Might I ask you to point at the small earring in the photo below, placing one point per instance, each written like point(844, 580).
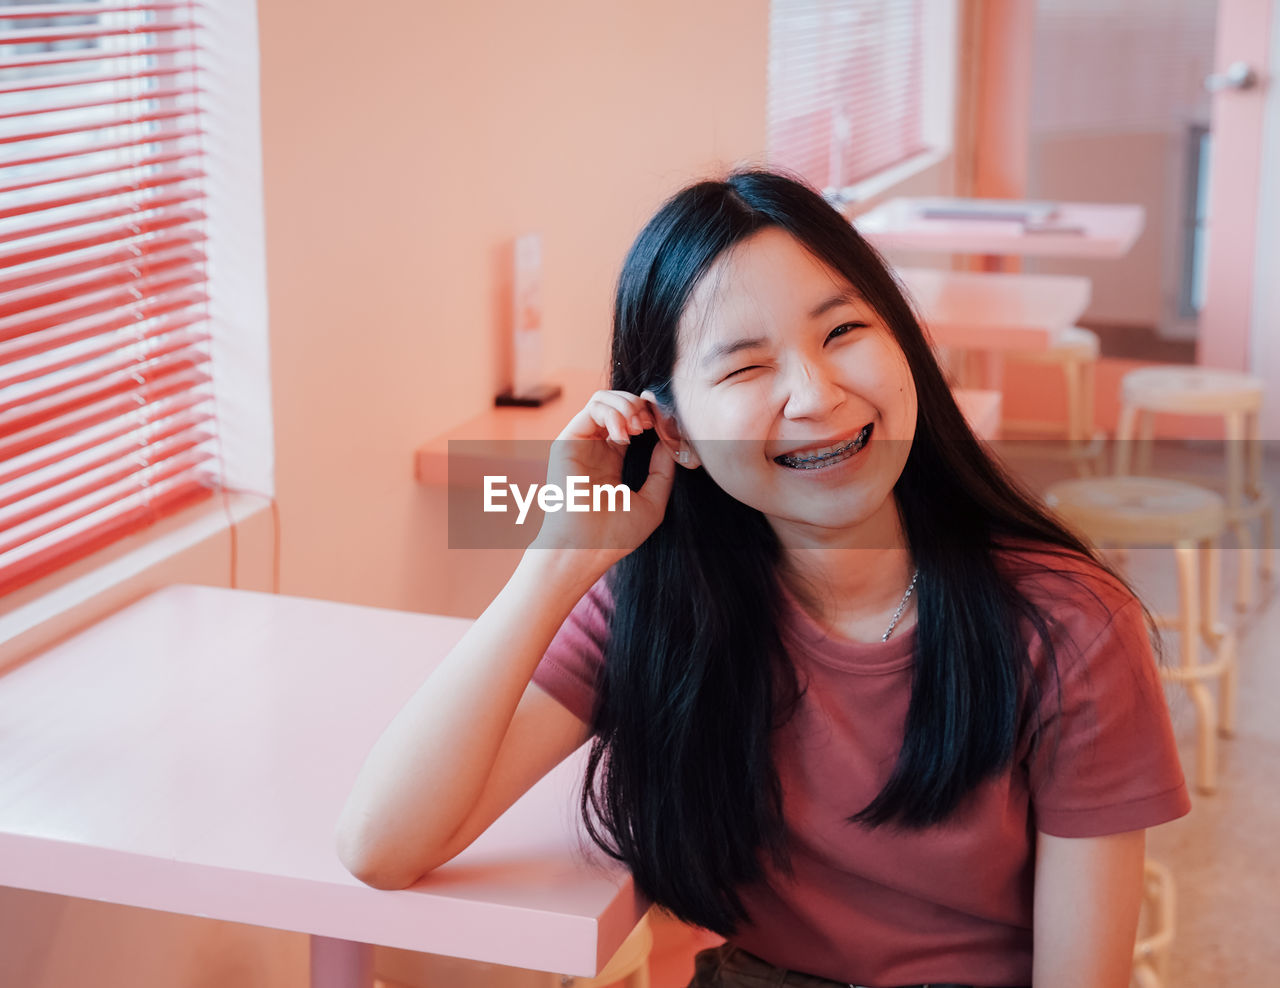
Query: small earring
point(682, 456)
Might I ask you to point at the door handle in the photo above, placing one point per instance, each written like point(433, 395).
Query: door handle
point(1239, 75)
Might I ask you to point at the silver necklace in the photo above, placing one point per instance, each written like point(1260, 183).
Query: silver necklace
point(901, 607)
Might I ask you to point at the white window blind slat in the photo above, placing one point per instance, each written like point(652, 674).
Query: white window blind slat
point(183, 411)
point(58, 472)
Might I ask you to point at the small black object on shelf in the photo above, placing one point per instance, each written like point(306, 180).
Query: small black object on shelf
point(534, 398)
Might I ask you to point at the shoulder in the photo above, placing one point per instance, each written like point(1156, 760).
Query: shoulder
point(1076, 595)
point(1084, 629)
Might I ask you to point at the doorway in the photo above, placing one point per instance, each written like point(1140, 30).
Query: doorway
point(1119, 113)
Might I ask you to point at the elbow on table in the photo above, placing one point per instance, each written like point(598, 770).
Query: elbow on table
point(378, 868)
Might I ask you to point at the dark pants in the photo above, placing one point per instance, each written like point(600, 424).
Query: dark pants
point(731, 967)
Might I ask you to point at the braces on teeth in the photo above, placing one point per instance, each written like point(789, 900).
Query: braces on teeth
point(819, 459)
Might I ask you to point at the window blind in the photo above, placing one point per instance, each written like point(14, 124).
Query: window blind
point(106, 417)
point(845, 87)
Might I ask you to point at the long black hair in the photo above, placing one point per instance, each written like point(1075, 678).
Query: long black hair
point(681, 784)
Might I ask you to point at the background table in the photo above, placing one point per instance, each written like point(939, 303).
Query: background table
point(1077, 229)
point(192, 752)
point(994, 313)
point(993, 310)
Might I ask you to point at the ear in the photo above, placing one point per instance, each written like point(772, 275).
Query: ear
point(669, 433)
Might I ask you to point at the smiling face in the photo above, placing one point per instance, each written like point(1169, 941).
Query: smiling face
point(793, 394)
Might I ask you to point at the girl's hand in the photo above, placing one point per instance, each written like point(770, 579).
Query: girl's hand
point(593, 445)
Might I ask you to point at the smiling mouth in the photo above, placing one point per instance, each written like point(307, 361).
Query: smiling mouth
point(819, 458)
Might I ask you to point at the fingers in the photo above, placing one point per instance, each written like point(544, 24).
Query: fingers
point(662, 474)
point(616, 415)
point(632, 410)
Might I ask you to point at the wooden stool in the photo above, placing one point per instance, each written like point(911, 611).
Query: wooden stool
point(1206, 391)
point(1146, 511)
point(629, 966)
point(1155, 928)
point(1076, 352)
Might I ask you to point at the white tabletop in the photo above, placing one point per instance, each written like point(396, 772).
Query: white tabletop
point(1075, 229)
point(192, 752)
point(989, 310)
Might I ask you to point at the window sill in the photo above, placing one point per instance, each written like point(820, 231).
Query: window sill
point(854, 199)
point(192, 546)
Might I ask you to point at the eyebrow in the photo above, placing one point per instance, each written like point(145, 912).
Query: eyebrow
point(840, 298)
point(722, 350)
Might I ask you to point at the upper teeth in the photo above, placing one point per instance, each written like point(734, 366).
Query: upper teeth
point(827, 452)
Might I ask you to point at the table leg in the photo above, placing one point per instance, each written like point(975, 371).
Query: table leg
point(991, 374)
point(341, 963)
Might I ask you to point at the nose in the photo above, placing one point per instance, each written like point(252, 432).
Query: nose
point(811, 392)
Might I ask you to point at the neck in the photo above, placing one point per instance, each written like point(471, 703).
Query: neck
point(850, 582)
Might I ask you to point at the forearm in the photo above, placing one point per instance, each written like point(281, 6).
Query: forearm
point(429, 767)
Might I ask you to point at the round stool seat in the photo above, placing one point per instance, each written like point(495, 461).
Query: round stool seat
point(1139, 510)
point(1197, 390)
point(1072, 343)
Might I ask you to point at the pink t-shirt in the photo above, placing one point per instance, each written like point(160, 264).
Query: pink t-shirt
point(952, 903)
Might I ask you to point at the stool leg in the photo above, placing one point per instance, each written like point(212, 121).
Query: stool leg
point(1235, 501)
point(1220, 639)
point(1146, 440)
point(1088, 418)
point(1124, 439)
point(1210, 586)
point(1189, 591)
point(1268, 568)
point(1075, 408)
point(1075, 416)
point(1253, 467)
point(1253, 488)
point(1244, 580)
point(1228, 687)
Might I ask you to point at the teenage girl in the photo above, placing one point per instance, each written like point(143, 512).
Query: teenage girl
point(856, 701)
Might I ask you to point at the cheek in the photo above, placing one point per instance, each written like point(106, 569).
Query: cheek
point(731, 413)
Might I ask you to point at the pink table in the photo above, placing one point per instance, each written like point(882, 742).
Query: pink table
point(1076, 229)
point(191, 754)
point(994, 312)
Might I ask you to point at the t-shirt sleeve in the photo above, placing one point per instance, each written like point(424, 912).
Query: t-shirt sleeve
point(570, 668)
point(1107, 761)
